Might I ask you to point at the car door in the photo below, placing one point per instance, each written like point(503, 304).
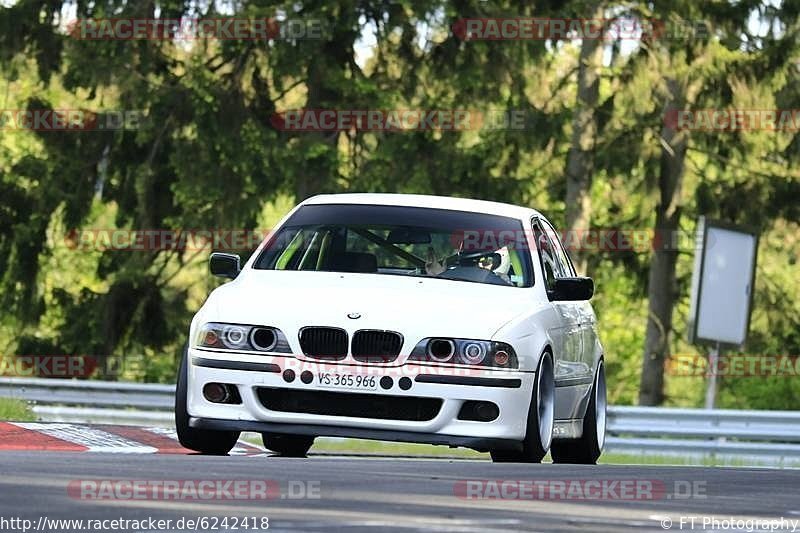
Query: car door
point(581, 317)
point(565, 336)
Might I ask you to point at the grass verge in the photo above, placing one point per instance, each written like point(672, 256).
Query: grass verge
point(325, 445)
point(16, 410)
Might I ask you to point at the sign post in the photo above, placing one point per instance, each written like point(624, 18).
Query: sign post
point(713, 365)
point(722, 291)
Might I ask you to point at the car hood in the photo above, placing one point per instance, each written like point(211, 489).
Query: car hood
point(415, 307)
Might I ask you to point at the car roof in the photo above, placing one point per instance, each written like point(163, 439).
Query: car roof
point(429, 201)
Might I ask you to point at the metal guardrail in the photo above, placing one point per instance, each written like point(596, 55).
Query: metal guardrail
point(766, 436)
point(89, 393)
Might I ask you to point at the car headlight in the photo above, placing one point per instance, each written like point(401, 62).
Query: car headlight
point(466, 352)
point(234, 337)
point(240, 337)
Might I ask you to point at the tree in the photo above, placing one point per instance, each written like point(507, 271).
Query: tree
point(580, 159)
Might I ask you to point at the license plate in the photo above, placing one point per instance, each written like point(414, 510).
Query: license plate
point(347, 381)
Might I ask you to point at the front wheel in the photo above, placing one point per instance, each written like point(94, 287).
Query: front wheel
point(205, 441)
point(287, 445)
point(539, 428)
point(587, 449)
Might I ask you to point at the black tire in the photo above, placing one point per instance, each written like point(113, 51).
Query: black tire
point(587, 449)
point(205, 441)
point(537, 439)
point(287, 445)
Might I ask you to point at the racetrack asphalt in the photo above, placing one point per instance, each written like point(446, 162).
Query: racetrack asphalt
point(375, 494)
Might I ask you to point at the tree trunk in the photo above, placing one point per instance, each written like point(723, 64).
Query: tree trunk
point(661, 289)
point(580, 159)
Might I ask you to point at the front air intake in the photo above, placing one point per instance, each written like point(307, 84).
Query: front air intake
point(350, 404)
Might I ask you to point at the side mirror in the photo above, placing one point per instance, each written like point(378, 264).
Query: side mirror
point(224, 265)
point(572, 289)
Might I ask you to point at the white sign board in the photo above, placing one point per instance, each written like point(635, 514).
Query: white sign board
point(722, 284)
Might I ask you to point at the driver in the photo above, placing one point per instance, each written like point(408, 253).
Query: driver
point(500, 268)
point(497, 262)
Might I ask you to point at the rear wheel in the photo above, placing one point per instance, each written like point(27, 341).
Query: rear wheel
point(287, 445)
point(539, 428)
point(587, 449)
point(205, 441)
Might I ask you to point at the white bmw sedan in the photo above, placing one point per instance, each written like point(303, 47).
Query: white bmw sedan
point(403, 318)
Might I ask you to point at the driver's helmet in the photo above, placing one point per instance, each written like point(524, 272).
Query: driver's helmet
point(505, 261)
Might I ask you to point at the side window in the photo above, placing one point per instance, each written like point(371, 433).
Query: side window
point(561, 255)
point(551, 267)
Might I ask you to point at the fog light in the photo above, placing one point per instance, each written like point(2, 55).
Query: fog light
point(215, 392)
point(478, 411)
point(487, 411)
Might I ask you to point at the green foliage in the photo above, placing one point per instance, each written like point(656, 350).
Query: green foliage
point(15, 410)
point(206, 155)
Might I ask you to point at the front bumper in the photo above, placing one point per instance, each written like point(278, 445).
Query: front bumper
point(509, 390)
point(477, 443)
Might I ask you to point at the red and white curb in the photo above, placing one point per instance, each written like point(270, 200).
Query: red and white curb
point(27, 436)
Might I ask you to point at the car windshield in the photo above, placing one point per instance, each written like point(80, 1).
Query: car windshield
point(404, 241)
